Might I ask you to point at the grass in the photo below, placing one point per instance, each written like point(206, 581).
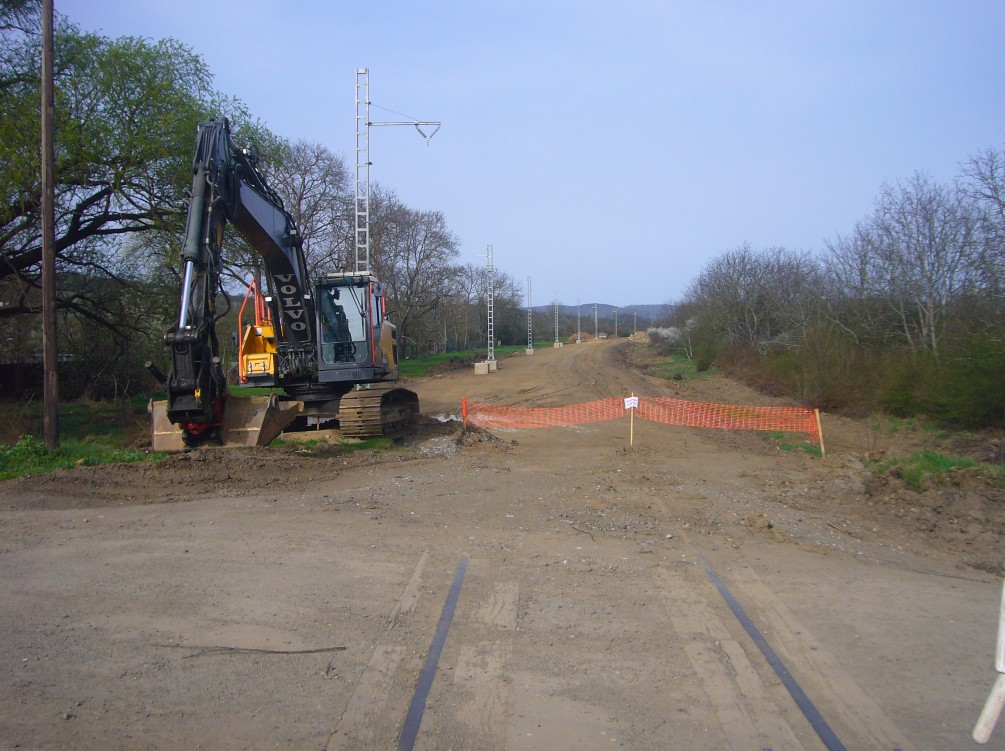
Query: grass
point(914, 425)
point(98, 433)
point(98, 419)
point(415, 367)
point(30, 456)
point(923, 466)
point(679, 367)
point(419, 367)
point(110, 421)
point(90, 433)
point(788, 442)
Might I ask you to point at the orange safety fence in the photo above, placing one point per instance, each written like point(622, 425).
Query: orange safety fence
point(494, 416)
point(656, 409)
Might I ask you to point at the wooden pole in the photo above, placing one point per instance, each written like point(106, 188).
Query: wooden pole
point(820, 435)
point(50, 406)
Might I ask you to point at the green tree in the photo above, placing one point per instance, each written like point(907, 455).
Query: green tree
point(125, 113)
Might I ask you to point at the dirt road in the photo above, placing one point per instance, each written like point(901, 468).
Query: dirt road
point(275, 599)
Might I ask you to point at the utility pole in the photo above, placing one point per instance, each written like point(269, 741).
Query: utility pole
point(363, 124)
point(50, 406)
point(579, 323)
point(615, 323)
point(596, 326)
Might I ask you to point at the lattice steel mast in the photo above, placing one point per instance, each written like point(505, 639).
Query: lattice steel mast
point(490, 278)
point(556, 318)
point(363, 123)
point(530, 319)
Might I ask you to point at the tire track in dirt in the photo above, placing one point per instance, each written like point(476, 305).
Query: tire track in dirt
point(745, 706)
point(365, 717)
point(376, 709)
point(482, 668)
point(740, 698)
point(862, 723)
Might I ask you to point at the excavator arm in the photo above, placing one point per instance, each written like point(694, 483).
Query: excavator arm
point(227, 187)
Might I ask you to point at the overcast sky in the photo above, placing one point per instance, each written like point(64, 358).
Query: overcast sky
point(610, 149)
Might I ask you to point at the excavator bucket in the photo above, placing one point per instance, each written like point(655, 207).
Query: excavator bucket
point(247, 421)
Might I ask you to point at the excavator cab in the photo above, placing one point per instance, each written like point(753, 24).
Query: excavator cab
point(357, 343)
point(341, 341)
point(355, 340)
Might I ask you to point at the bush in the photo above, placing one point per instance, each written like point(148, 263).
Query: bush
point(704, 355)
point(664, 340)
point(28, 448)
point(30, 456)
point(969, 390)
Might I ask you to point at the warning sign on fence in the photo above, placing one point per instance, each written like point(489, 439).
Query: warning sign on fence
point(631, 402)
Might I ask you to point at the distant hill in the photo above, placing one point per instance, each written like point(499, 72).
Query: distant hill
point(627, 314)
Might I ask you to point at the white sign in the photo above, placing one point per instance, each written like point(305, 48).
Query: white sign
point(631, 402)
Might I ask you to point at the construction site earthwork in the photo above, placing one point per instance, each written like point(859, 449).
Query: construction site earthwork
point(612, 580)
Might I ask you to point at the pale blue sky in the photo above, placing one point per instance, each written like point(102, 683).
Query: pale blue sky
point(610, 149)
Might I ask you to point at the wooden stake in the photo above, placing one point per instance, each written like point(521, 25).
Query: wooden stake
point(631, 429)
point(820, 434)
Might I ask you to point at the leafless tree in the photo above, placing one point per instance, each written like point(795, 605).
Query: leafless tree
point(460, 310)
point(859, 287)
point(412, 253)
point(925, 234)
point(314, 184)
point(984, 183)
point(756, 299)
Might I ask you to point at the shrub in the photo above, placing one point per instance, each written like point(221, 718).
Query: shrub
point(968, 389)
point(664, 340)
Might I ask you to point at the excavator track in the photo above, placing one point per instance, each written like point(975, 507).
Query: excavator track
point(378, 410)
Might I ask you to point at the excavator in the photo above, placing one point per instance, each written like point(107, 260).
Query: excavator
point(326, 343)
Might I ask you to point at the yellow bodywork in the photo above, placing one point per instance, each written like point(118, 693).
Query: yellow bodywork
point(257, 358)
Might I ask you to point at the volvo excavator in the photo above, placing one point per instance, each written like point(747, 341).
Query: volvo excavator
point(326, 343)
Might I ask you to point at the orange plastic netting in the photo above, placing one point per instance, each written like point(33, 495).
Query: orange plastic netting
point(656, 409)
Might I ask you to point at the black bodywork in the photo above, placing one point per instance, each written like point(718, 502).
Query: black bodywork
point(228, 187)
